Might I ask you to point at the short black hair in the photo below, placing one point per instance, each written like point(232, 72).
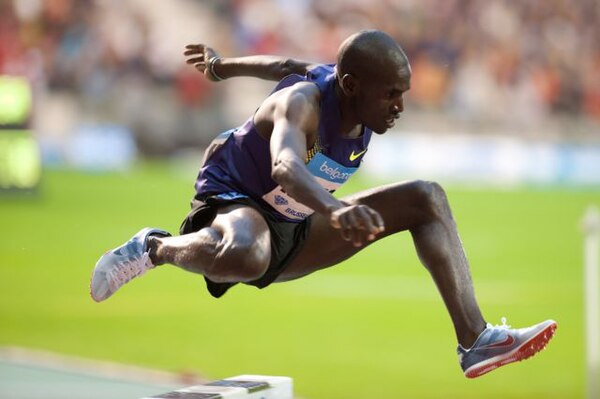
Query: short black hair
point(368, 50)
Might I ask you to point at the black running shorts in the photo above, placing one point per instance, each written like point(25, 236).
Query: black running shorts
point(287, 238)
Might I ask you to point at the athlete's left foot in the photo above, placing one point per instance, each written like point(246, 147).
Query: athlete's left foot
point(497, 346)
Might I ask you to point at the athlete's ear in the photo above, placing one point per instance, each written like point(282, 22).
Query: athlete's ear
point(349, 84)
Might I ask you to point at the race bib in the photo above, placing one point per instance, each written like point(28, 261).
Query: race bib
point(329, 174)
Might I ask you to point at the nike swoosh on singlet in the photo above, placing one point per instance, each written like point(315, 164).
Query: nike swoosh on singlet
point(353, 156)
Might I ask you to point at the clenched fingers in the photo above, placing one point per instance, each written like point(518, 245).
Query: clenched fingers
point(357, 223)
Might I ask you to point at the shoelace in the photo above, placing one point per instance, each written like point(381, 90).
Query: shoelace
point(503, 326)
point(126, 270)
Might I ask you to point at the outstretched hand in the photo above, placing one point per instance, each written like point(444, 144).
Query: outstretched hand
point(199, 55)
point(357, 223)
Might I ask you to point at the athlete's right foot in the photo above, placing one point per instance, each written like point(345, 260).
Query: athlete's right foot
point(500, 345)
point(120, 265)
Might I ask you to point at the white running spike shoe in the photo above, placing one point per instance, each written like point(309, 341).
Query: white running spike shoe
point(122, 264)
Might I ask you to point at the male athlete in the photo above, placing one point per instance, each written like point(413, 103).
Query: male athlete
point(264, 210)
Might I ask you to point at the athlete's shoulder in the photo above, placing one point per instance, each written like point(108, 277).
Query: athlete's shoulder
point(317, 71)
point(301, 99)
point(298, 88)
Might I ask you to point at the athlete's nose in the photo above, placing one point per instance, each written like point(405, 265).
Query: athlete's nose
point(398, 106)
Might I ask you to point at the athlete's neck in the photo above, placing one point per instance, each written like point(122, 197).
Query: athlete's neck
point(350, 127)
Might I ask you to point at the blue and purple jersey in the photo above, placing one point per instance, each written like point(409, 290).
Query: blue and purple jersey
point(241, 166)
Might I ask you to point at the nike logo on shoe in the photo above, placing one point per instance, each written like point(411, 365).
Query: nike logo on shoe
point(507, 342)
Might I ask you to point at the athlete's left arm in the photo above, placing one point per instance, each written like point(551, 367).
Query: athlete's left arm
point(267, 67)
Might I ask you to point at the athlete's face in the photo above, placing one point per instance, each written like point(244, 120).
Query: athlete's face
point(379, 101)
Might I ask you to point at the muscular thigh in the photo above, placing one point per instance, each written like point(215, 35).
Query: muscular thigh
point(400, 205)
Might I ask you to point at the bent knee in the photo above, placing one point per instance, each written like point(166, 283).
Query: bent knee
point(243, 258)
point(432, 196)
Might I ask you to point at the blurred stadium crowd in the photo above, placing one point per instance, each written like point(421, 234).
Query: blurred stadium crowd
point(519, 67)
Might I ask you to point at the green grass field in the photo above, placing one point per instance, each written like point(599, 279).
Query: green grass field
point(373, 327)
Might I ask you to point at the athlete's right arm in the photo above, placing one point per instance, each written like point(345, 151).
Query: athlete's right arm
point(267, 67)
point(295, 113)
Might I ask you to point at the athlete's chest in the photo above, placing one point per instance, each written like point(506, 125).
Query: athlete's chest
point(329, 173)
point(347, 152)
